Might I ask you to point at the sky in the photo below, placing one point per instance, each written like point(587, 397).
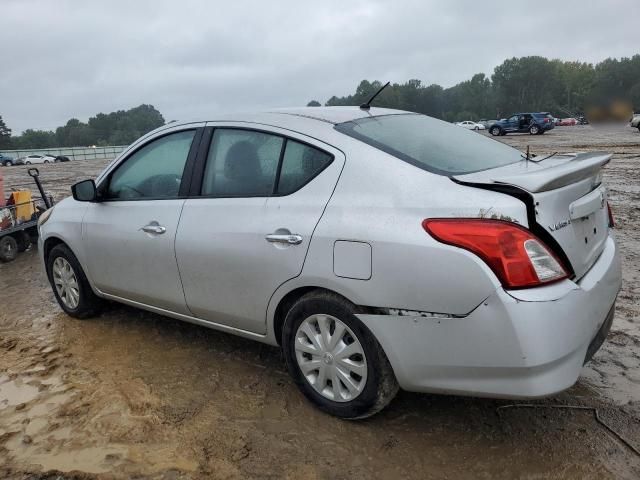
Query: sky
point(193, 59)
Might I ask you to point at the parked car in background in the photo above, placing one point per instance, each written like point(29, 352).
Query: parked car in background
point(487, 123)
point(357, 240)
point(535, 123)
point(6, 161)
point(635, 121)
point(33, 159)
point(567, 122)
point(55, 158)
point(469, 125)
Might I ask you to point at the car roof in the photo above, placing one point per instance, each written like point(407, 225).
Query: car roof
point(306, 120)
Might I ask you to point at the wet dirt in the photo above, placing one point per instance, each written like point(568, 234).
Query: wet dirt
point(131, 394)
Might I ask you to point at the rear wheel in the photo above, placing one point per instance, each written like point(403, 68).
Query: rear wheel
point(534, 130)
point(334, 359)
point(495, 131)
point(27, 162)
point(8, 163)
point(8, 249)
point(70, 285)
point(23, 240)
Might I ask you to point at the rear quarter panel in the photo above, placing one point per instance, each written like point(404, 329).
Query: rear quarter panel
point(382, 201)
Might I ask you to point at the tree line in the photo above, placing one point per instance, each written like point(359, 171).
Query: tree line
point(116, 128)
point(517, 85)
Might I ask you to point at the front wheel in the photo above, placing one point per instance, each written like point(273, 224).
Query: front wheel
point(27, 162)
point(495, 131)
point(8, 163)
point(70, 285)
point(46, 161)
point(534, 130)
point(334, 359)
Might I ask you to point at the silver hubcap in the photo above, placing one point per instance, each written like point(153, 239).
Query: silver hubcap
point(66, 283)
point(331, 358)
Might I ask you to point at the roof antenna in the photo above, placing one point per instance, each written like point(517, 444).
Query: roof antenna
point(367, 105)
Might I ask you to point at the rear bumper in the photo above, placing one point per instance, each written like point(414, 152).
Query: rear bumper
point(524, 344)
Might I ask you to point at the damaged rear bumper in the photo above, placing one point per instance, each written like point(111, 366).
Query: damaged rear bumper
point(522, 344)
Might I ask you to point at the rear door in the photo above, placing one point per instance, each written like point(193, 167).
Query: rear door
point(261, 195)
point(129, 235)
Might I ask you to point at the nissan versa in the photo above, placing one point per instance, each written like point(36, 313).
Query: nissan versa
point(380, 249)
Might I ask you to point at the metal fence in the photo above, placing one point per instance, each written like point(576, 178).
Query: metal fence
point(74, 153)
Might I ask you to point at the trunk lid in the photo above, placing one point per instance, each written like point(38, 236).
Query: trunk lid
point(566, 200)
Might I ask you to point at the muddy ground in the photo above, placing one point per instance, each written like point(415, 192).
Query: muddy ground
point(136, 395)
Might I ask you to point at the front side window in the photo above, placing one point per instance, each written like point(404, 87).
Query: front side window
point(430, 144)
point(241, 163)
point(300, 164)
point(154, 171)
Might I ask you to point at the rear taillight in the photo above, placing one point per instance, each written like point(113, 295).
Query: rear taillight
point(612, 223)
point(517, 257)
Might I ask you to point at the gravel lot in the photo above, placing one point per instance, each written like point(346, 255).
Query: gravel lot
point(136, 395)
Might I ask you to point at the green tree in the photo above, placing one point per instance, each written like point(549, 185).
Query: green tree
point(5, 135)
point(314, 103)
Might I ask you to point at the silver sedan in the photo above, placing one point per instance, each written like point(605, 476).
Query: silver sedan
point(380, 249)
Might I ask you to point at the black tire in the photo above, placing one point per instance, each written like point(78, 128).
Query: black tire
point(495, 131)
point(534, 130)
point(89, 303)
point(27, 162)
point(8, 249)
point(23, 240)
point(476, 128)
point(8, 163)
point(46, 161)
point(381, 385)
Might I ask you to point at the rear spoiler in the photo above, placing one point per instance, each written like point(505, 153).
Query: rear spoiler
point(541, 177)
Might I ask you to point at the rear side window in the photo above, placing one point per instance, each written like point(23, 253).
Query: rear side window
point(300, 164)
point(241, 163)
point(431, 144)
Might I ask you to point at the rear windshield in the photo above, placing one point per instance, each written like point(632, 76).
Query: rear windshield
point(431, 144)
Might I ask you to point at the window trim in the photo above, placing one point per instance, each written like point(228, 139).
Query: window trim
point(187, 172)
point(203, 156)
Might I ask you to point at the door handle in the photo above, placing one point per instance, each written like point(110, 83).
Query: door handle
point(153, 227)
point(289, 238)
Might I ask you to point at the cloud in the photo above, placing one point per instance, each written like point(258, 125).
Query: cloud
point(194, 59)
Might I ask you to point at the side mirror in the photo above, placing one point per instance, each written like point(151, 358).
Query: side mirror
point(85, 191)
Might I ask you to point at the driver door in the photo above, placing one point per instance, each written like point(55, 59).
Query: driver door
point(513, 124)
point(129, 234)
